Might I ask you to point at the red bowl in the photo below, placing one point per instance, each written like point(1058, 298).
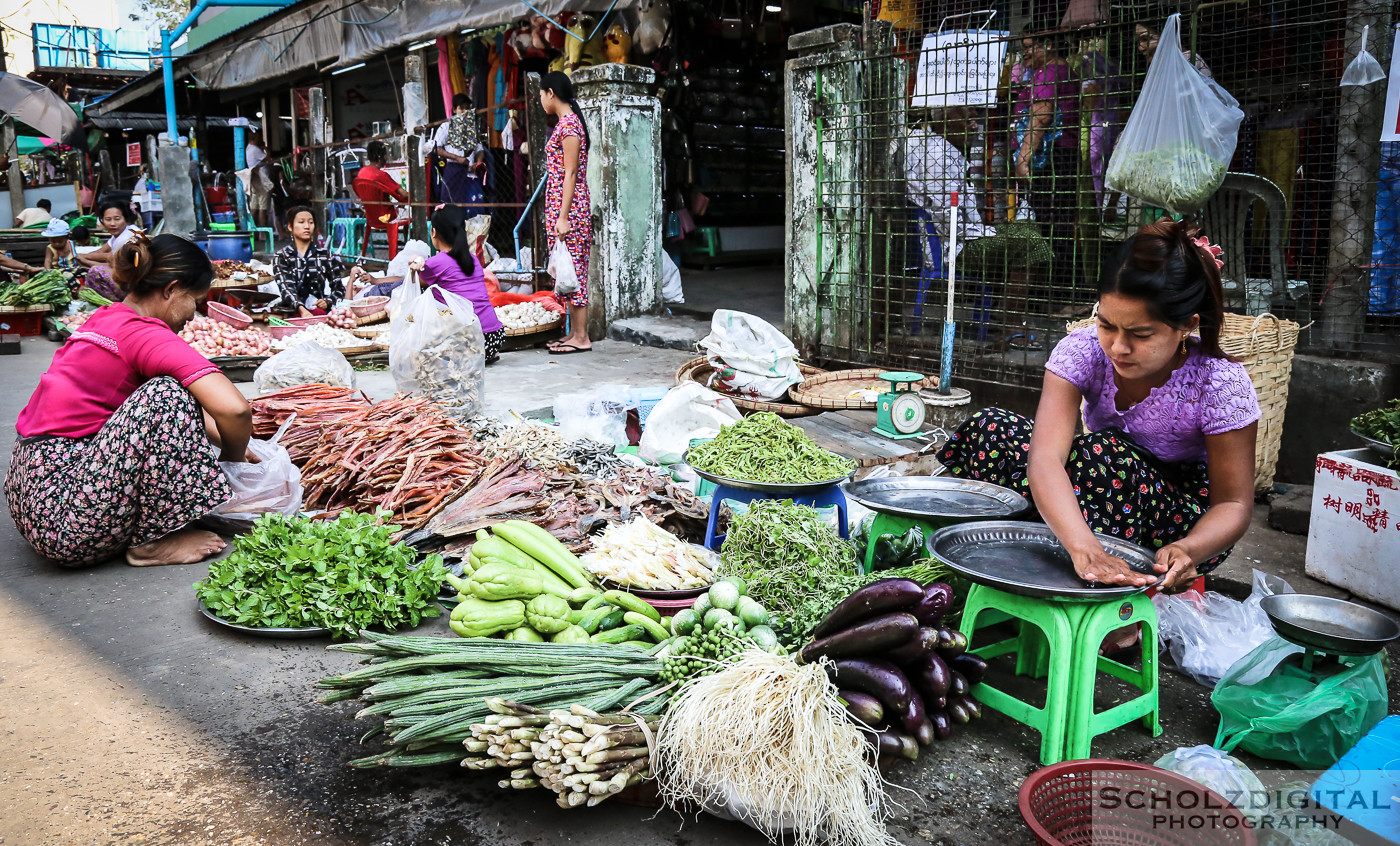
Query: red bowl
point(368, 306)
point(229, 315)
point(303, 322)
point(280, 332)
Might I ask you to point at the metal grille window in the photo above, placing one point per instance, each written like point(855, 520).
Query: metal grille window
point(1017, 110)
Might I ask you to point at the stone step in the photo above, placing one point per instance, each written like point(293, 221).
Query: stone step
point(672, 332)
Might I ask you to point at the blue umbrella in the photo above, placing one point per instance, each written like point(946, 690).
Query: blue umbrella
point(32, 103)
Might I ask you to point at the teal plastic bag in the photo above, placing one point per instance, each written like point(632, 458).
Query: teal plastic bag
point(1287, 718)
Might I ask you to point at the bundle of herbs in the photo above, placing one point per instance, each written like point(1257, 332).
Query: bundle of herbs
point(764, 448)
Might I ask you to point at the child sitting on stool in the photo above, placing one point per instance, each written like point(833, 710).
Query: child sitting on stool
point(308, 276)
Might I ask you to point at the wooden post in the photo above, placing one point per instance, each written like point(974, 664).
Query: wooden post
point(536, 135)
point(316, 121)
point(106, 172)
point(15, 177)
point(417, 181)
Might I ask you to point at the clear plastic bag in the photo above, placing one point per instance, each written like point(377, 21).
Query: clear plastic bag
point(597, 415)
point(561, 267)
point(1180, 136)
point(687, 412)
point(1364, 69)
point(271, 486)
point(304, 364)
point(1205, 635)
point(437, 349)
point(1222, 773)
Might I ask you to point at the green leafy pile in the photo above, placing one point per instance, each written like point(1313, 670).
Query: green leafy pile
point(1383, 424)
point(1179, 177)
point(764, 448)
point(344, 575)
point(45, 287)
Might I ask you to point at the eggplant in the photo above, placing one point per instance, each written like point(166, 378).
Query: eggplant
point(932, 679)
point(916, 650)
point(880, 679)
point(957, 684)
point(863, 706)
point(938, 597)
point(957, 712)
point(882, 597)
point(912, 717)
point(945, 638)
point(909, 746)
point(925, 734)
point(872, 637)
point(972, 667)
point(938, 704)
point(942, 725)
point(888, 745)
point(972, 706)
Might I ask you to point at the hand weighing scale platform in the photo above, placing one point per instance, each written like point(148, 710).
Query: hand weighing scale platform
point(930, 503)
point(1329, 630)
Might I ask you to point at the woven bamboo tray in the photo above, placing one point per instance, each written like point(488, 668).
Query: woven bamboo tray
point(1264, 345)
point(371, 334)
point(699, 370)
point(25, 309)
point(377, 317)
point(250, 282)
point(536, 330)
point(834, 390)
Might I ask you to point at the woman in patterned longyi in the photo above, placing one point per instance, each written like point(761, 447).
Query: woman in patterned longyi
point(568, 207)
point(1168, 462)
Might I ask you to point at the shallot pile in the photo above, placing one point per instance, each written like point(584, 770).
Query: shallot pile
point(211, 338)
point(341, 318)
point(322, 334)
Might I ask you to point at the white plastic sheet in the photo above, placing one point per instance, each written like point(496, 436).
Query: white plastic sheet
point(1206, 634)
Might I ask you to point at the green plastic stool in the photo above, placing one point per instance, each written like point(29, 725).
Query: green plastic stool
point(1059, 641)
point(222, 227)
point(709, 241)
point(265, 233)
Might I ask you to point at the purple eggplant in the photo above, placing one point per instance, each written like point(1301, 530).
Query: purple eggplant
point(888, 745)
point(909, 746)
point(872, 637)
point(880, 679)
point(863, 707)
point(935, 603)
point(971, 706)
point(932, 679)
point(972, 667)
point(882, 597)
point(942, 725)
point(916, 650)
point(957, 684)
point(957, 711)
point(912, 717)
point(925, 733)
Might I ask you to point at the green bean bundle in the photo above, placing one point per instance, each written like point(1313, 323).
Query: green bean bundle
point(764, 448)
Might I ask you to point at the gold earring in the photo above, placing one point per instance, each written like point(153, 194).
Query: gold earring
point(1183, 343)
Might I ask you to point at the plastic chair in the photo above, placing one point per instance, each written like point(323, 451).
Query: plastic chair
point(709, 241)
point(346, 233)
point(931, 270)
point(824, 498)
point(374, 200)
point(1226, 220)
point(1059, 641)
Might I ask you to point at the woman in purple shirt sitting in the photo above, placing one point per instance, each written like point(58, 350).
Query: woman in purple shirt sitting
point(1168, 463)
point(453, 269)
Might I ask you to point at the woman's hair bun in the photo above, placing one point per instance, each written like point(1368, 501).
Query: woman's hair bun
point(143, 265)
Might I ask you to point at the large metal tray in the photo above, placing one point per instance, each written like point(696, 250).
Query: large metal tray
point(1382, 450)
point(1330, 625)
point(275, 634)
point(937, 497)
point(765, 487)
point(1027, 559)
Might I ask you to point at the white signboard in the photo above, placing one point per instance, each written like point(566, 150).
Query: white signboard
point(959, 68)
point(1390, 130)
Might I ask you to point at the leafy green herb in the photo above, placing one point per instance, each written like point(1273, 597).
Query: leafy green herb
point(1179, 178)
point(764, 448)
point(344, 575)
point(1383, 424)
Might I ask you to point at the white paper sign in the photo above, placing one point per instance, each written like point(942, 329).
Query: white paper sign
point(959, 68)
point(1390, 130)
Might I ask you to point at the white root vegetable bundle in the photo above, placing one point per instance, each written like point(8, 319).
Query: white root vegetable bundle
point(640, 554)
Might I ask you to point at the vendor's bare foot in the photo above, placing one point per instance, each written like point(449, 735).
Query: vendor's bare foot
point(183, 547)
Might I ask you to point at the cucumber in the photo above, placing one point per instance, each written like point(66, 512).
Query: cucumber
point(714, 616)
point(656, 630)
point(612, 619)
point(620, 635)
point(702, 605)
point(684, 622)
point(580, 596)
point(751, 612)
point(724, 595)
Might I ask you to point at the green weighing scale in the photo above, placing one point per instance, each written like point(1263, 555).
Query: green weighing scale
point(900, 411)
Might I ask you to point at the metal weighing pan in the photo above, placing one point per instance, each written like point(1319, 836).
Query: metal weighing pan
point(765, 487)
point(276, 634)
point(1329, 625)
point(937, 497)
point(1026, 559)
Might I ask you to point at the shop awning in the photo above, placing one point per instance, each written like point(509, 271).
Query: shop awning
point(153, 122)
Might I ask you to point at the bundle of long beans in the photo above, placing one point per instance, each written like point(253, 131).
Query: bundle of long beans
point(583, 756)
point(431, 691)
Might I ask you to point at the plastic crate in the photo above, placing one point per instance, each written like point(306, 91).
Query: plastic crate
point(1362, 787)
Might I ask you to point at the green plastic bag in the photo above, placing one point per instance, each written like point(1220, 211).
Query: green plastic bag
point(1287, 718)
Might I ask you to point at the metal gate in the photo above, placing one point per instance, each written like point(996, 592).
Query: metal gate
point(1018, 109)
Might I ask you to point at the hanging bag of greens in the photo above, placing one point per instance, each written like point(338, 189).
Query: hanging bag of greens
point(1270, 710)
point(1180, 136)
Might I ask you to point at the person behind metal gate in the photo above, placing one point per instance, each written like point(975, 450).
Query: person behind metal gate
point(1168, 461)
point(457, 142)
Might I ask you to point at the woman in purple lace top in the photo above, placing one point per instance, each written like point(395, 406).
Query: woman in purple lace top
point(1168, 463)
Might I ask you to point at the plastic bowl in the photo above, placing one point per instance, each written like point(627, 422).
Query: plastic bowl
point(280, 332)
point(303, 322)
point(231, 316)
point(368, 306)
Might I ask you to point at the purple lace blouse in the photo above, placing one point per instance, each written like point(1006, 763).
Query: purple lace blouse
point(1204, 396)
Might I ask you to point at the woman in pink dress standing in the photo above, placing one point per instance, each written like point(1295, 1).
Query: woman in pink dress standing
point(568, 208)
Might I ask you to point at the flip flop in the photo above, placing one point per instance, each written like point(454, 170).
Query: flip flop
point(568, 349)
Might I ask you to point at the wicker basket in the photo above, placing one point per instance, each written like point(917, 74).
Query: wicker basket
point(699, 370)
point(1264, 345)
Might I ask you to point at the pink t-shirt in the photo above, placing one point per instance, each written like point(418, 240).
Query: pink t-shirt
point(115, 352)
point(1204, 396)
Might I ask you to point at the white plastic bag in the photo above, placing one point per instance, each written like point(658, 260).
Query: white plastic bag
point(437, 349)
point(304, 364)
point(597, 415)
point(1180, 136)
point(272, 485)
point(1222, 773)
point(749, 356)
point(401, 301)
point(1364, 69)
point(561, 267)
point(672, 293)
point(687, 412)
point(1205, 635)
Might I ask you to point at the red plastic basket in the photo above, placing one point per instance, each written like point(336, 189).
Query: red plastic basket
point(1107, 803)
point(229, 315)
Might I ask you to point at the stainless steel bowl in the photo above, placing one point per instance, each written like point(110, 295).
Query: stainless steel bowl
point(1385, 451)
point(1329, 625)
point(276, 634)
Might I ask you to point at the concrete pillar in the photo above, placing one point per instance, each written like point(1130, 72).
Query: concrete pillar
point(316, 124)
point(536, 133)
point(624, 178)
point(417, 179)
point(176, 190)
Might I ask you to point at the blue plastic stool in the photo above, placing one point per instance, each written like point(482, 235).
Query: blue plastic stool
point(1359, 787)
point(824, 498)
point(346, 234)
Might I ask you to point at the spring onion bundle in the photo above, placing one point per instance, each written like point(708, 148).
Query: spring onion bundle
point(763, 448)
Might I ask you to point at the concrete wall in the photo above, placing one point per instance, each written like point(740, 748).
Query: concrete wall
point(1323, 395)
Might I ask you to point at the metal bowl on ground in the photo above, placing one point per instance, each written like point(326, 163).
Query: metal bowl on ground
point(1381, 449)
point(765, 487)
point(275, 634)
point(937, 497)
point(1027, 559)
point(1329, 625)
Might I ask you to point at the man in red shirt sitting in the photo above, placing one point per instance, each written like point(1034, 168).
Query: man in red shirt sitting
point(372, 185)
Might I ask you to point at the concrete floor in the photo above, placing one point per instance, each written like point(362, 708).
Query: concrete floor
point(125, 718)
point(756, 290)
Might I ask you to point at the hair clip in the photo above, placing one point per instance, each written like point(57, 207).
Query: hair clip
point(1213, 250)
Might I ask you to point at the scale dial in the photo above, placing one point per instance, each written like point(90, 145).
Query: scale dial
point(907, 413)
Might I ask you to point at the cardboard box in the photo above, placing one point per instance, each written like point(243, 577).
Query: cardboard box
point(1354, 535)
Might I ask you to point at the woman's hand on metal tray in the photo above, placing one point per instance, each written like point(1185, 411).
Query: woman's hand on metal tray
point(1096, 565)
point(1177, 563)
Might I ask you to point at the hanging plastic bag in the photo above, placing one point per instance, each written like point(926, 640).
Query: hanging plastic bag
point(1224, 774)
point(687, 412)
point(304, 364)
point(1364, 69)
point(401, 301)
point(749, 356)
point(1206, 634)
point(437, 350)
point(271, 486)
point(1180, 136)
point(561, 267)
point(1277, 714)
point(596, 415)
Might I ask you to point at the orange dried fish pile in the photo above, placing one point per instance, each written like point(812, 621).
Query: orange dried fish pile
point(315, 407)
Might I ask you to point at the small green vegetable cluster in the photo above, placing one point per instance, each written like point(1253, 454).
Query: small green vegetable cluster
point(46, 286)
point(1383, 424)
point(344, 575)
point(764, 448)
point(1180, 178)
point(723, 623)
